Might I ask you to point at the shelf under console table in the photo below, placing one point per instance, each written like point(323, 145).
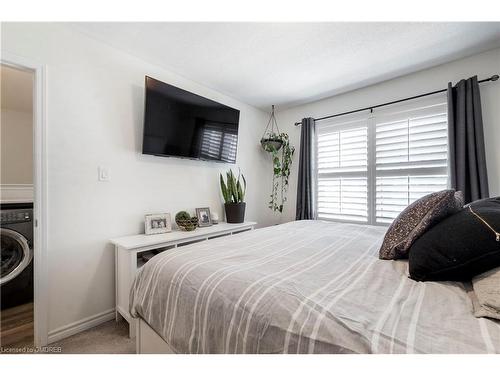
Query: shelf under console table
point(132, 252)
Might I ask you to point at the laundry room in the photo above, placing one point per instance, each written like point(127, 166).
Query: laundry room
point(17, 260)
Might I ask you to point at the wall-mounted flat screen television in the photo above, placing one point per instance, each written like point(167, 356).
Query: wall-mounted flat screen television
point(182, 124)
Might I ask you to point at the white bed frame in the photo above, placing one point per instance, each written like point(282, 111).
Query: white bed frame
point(147, 341)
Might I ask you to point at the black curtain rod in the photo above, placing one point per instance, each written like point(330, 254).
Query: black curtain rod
point(492, 78)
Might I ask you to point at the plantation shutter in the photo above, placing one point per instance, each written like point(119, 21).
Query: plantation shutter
point(371, 166)
point(342, 170)
point(411, 155)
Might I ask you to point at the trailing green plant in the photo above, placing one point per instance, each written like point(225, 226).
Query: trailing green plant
point(233, 191)
point(282, 163)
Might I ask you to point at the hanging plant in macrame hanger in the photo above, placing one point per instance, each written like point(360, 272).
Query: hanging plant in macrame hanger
point(273, 141)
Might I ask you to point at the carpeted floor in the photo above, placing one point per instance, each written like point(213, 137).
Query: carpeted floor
point(108, 338)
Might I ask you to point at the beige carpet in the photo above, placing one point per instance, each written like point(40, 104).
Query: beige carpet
point(108, 338)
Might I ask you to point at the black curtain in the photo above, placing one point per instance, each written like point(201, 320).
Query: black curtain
point(466, 140)
point(306, 186)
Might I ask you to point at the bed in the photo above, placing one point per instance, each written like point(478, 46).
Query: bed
point(300, 287)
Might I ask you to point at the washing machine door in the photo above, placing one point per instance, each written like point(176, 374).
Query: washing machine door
point(15, 254)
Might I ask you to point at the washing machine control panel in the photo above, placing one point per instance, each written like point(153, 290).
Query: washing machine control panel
point(15, 216)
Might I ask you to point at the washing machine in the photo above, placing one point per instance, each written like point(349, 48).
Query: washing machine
point(16, 275)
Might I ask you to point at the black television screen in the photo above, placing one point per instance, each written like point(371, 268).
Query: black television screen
point(183, 124)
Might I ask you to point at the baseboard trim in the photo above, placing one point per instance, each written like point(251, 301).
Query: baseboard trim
point(80, 326)
point(16, 193)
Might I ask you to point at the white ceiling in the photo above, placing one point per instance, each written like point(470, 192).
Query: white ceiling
point(293, 63)
point(16, 89)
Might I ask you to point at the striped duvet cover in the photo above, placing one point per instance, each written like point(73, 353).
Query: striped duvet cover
point(303, 287)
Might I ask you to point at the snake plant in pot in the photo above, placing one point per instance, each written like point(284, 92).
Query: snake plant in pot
point(233, 192)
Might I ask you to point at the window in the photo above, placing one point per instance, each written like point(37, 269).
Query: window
point(342, 171)
point(371, 166)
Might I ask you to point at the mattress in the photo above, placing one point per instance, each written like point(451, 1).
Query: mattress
point(303, 287)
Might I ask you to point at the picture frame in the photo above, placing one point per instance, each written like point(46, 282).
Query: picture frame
point(204, 217)
point(158, 223)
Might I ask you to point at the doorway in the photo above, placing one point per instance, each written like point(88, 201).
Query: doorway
point(16, 228)
point(23, 315)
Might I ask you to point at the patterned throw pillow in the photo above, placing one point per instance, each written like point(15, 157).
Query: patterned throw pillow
point(415, 219)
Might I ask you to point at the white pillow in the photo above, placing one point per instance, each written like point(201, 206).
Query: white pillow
point(486, 296)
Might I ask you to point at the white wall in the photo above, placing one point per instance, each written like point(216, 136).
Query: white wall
point(483, 65)
point(16, 147)
point(95, 111)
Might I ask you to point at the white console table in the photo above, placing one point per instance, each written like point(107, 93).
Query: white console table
point(129, 251)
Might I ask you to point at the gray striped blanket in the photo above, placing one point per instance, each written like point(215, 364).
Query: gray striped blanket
point(303, 287)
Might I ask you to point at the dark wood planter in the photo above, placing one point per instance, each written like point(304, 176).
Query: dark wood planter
point(235, 212)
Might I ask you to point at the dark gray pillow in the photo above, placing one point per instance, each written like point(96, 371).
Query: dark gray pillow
point(415, 219)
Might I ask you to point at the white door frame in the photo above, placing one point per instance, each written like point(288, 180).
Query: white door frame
point(40, 192)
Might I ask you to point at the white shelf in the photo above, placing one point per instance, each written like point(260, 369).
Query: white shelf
point(177, 236)
point(128, 259)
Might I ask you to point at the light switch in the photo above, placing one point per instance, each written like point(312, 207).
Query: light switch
point(103, 174)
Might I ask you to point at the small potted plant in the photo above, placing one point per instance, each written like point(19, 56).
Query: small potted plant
point(185, 221)
point(234, 197)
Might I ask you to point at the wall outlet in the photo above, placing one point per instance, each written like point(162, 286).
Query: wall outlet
point(103, 174)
